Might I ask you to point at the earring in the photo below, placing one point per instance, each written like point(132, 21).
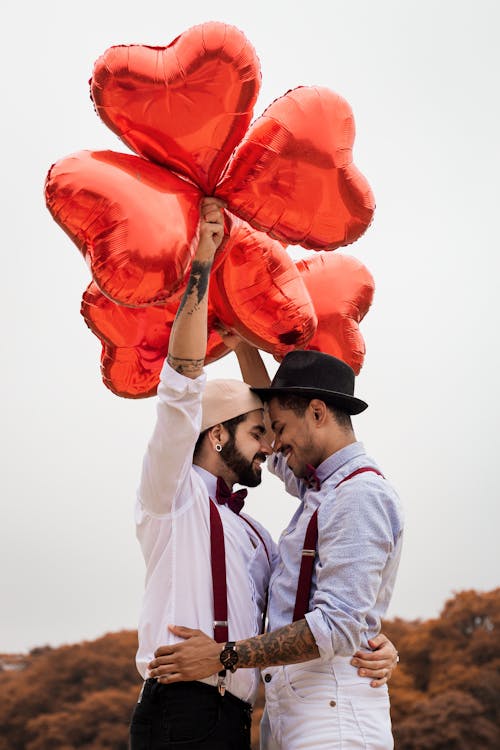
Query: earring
point(218, 447)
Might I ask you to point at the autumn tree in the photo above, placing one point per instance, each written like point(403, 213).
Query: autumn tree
point(444, 693)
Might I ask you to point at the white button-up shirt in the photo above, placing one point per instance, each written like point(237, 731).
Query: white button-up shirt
point(173, 528)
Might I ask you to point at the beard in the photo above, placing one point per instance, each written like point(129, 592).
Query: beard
point(245, 472)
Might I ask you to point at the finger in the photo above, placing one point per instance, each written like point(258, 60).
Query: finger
point(183, 632)
point(374, 674)
point(167, 679)
point(163, 660)
point(385, 653)
point(212, 208)
point(378, 641)
point(212, 201)
point(367, 664)
point(378, 683)
point(164, 670)
point(213, 217)
point(164, 650)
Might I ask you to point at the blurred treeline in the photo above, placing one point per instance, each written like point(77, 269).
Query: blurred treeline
point(445, 694)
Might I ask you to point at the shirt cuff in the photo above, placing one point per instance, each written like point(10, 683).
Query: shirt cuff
point(176, 381)
point(321, 633)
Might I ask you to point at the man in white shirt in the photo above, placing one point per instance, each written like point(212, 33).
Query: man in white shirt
point(174, 515)
point(203, 556)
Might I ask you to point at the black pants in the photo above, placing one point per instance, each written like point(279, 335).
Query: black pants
point(189, 716)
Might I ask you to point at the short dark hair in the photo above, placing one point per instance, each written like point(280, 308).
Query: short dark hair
point(299, 404)
point(229, 424)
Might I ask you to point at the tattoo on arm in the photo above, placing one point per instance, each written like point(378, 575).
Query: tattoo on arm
point(198, 281)
point(289, 645)
point(185, 366)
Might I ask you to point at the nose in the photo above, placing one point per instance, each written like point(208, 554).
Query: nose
point(266, 447)
point(276, 444)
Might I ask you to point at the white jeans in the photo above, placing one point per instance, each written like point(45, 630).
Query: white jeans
point(320, 705)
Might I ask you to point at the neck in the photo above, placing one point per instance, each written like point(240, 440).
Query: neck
point(217, 467)
point(337, 442)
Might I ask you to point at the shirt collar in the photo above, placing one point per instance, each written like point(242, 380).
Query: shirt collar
point(209, 480)
point(337, 460)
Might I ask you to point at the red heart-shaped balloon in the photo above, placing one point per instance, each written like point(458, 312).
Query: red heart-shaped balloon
point(186, 105)
point(135, 341)
point(133, 221)
point(257, 291)
point(293, 174)
point(342, 289)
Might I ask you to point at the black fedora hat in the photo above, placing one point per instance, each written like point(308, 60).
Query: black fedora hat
point(315, 375)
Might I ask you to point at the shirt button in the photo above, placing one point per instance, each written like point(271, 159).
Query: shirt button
point(268, 677)
point(333, 704)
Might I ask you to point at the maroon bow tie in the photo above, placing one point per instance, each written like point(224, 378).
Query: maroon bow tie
point(234, 500)
point(311, 478)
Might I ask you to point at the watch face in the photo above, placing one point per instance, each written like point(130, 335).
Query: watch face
point(229, 658)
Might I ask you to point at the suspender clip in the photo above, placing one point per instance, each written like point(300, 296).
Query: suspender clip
point(221, 684)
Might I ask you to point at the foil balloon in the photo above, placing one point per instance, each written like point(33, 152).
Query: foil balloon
point(133, 222)
point(186, 105)
point(342, 289)
point(257, 291)
point(293, 175)
point(289, 178)
point(135, 341)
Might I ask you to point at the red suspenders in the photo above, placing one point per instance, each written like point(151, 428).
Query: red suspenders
point(218, 560)
point(309, 555)
point(219, 581)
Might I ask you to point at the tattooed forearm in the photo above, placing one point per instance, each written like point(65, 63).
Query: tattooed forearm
point(198, 281)
point(185, 366)
point(289, 645)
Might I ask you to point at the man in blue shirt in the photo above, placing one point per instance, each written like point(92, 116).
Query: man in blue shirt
point(339, 558)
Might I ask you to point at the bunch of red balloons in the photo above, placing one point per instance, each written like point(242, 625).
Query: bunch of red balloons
point(287, 178)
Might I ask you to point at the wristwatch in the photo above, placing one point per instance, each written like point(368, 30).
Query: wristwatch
point(229, 656)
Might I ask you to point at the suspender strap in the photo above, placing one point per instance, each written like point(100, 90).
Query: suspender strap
point(306, 569)
point(219, 583)
point(264, 613)
point(218, 560)
point(360, 471)
point(309, 555)
point(259, 535)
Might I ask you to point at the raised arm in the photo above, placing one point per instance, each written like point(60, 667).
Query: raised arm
point(168, 457)
point(252, 368)
point(188, 339)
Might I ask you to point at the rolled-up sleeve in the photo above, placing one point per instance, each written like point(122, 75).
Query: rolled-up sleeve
point(357, 533)
point(169, 454)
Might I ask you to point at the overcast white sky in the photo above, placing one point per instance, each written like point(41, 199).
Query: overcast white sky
point(422, 79)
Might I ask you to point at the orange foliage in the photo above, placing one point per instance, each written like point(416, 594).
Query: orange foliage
point(78, 696)
point(444, 694)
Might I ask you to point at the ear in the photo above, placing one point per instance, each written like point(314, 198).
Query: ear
point(215, 434)
point(318, 412)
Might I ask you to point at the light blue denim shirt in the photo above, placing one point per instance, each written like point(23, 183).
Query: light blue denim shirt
point(360, 530)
